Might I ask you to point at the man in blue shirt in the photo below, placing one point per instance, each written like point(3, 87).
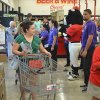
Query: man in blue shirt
point(89, 39)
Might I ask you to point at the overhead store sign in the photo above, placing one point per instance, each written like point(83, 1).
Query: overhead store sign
point(56, 1)
point(56, 5)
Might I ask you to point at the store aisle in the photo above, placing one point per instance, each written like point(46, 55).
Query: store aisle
point(72, 90)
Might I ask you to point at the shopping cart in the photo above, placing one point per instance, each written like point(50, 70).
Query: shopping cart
point(37, 77)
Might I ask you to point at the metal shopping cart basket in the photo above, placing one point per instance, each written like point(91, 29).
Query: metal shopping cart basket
point(37, 77)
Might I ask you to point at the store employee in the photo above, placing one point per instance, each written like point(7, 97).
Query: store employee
point(53, 39)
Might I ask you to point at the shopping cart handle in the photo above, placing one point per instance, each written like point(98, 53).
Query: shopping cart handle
point(36, 54)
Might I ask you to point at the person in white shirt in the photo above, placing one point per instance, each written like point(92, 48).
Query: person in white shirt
point(10, 33)
point(37, 24)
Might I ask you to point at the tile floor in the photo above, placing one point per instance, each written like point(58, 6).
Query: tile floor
point(72, 91)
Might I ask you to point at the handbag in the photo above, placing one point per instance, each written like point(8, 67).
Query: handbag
point(13, 62)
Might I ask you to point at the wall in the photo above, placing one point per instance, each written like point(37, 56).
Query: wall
point(0, 6)
point(44, 9)
point(16, 4)
point(90, 6)
point(9, 2)
point(31, 6)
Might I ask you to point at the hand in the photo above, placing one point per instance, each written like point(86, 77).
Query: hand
point(13, 33)
point(23, 53)
point(52, 48)
point(84, 53)
point(81, 51)
point(66, 38)
point(64, 34)
point(48, 53)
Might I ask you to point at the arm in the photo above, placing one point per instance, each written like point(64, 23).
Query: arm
point(15, 50)
point(89, 41)
point(54, 41)
point(43, 50)
point(44, 35)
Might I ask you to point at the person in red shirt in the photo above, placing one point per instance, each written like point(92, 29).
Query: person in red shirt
point(74, 33)
point(94, 79)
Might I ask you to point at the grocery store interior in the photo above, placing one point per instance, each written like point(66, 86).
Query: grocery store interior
point(53, 72)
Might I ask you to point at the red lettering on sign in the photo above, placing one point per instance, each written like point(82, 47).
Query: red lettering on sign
point(72, 1)
point(38, 1)
point(56, 7)
point(44, 1)
point(63, 1)
point(55, 1)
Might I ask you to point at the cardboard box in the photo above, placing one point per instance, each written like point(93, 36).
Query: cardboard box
point(3, 58)
point(2, 83)
point(2, 90)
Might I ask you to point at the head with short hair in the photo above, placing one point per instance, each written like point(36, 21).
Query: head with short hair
point(29, 16)
point(12, 24)
point(45, 19)
point(87, 14)
point(88, 11)
point(36, 19)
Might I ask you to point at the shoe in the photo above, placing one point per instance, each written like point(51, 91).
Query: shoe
point(73, 77)
point(69, 73)
point(83, 86)
point(16, 82)
point(67, 65)
point(85, 89)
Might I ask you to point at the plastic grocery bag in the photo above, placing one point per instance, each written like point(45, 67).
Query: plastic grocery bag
point(13, 62)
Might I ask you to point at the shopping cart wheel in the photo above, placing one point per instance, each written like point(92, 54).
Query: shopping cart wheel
point(16, 82)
